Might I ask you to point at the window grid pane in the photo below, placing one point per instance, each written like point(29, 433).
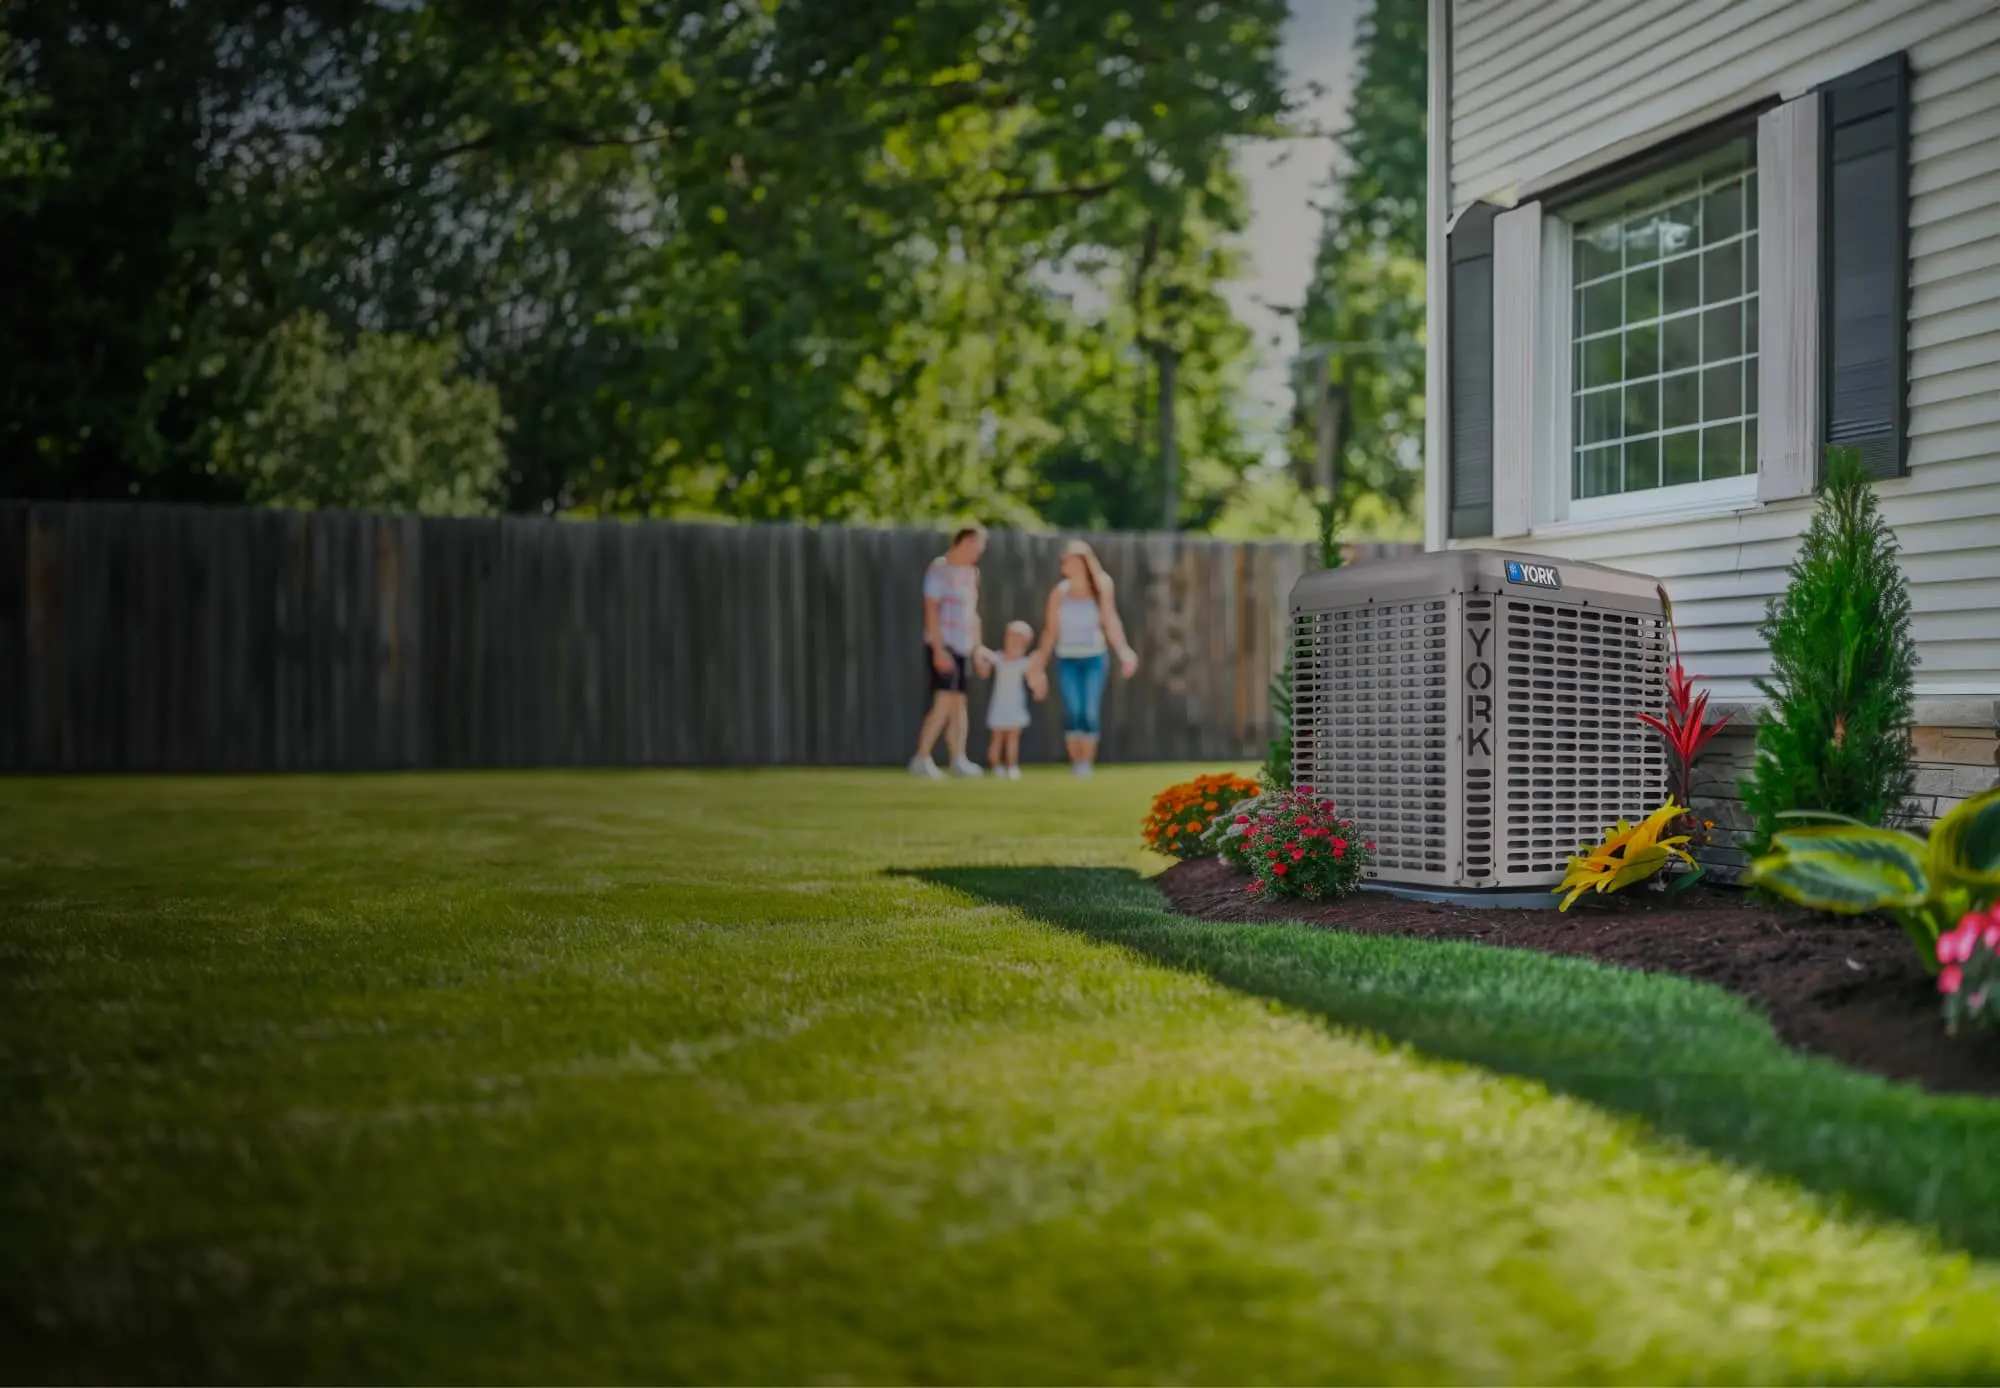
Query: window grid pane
point(1665, 338)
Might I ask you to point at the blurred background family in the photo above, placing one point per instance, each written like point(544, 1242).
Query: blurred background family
point(1080, 634)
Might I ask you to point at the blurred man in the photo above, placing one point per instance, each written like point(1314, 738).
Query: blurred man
point(951, 635)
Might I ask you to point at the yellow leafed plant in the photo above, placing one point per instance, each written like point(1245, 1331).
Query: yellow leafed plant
point(1630, 853)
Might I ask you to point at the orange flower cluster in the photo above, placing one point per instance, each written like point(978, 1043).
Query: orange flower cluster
point(1180, 813)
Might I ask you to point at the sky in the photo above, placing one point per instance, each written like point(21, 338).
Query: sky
point(1286, 179)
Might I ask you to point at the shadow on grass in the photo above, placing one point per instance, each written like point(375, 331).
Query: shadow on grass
point(1692, 1060)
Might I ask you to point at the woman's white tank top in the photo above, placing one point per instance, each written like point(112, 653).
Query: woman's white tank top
point(1080, 626)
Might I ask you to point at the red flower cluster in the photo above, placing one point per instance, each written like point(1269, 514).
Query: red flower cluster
point(1296, 844)
point(1970, 976)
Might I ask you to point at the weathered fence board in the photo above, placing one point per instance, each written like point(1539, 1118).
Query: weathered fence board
point(155, 638)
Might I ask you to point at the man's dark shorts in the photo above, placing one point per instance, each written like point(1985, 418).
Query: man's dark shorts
point(954, 681)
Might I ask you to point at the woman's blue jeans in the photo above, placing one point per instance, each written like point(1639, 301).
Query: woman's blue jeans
point(1080, 681)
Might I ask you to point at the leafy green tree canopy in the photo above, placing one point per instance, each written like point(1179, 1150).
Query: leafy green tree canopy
point(1368, 283)
point(387, 424)
point(744, 258)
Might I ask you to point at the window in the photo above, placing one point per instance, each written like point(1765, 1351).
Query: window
point(1663, 283)
point(1608, 339)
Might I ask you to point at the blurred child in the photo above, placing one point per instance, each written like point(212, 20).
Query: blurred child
point(1017, 672)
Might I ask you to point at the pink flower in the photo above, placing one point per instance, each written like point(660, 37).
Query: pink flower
point(1340, 845)
point(1279, 868)
point(1977, 1001)
point(1243, 819)
point(1990, 937)
point(1340, 850)
point(1949, 978)
point(1301, 820)
point(1369, 845)
point(1298, 853)
point(1955, 946)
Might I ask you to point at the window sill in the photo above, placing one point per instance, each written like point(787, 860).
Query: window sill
point(1708, 508)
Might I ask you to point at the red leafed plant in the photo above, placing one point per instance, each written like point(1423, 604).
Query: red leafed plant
point(1686, 728)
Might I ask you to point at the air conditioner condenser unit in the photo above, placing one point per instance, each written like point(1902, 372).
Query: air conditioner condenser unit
point(1473, 711)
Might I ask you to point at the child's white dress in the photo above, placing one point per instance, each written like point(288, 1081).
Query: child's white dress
point(1008, 708)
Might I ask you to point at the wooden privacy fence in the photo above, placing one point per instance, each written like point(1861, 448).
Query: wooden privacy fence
point(158, 638)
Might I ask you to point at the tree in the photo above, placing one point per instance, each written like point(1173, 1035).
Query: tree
point(386, 424)
point(693, 244)
point(1368, 282)
point(1836, 736)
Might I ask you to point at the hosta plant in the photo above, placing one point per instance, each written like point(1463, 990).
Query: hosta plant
point(1969, 971)
point(1296, 844)
point(1629, 853)
point(1854, 869)
point(1182, 813)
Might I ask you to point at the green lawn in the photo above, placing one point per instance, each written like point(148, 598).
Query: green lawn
point(807, 1076)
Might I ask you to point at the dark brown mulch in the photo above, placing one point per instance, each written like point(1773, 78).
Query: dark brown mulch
point(1852, 989)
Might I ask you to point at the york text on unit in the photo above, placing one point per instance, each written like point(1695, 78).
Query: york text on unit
point(1479, 692)
point(1534, 575)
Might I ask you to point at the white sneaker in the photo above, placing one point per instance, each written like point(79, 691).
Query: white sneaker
point(925, 767)
point(964, 766)
point(1081, 768)
point(1013, 773)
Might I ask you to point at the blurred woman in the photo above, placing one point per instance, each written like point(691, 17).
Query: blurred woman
point(1081, 628)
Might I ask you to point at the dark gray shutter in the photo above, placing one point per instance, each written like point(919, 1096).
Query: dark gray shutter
point(1865, 241)
point(1469, 372)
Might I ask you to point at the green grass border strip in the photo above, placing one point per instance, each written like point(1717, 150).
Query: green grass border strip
point(1691, 1059)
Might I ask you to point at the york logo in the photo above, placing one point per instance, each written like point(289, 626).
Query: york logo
point(1478, 691)
point(1534, 575)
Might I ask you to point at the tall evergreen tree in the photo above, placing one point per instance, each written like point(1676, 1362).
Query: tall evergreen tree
point(1836, 736)
point(1368, 281)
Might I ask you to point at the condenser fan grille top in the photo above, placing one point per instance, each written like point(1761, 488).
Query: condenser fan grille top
point(1475, 713)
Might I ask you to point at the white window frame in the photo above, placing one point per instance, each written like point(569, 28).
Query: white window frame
point(1554, 408)
point(1533, 457)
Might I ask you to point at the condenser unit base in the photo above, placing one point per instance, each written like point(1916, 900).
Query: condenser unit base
point(1489, 899)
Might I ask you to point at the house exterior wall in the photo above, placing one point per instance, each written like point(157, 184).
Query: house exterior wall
point(1541, 90)
point(1957, 754)
point(1536, 92)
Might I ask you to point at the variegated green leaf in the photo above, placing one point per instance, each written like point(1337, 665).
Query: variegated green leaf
point(1824, 817)
point(1830, 879)
point(1904, 853)
point(1965, 845)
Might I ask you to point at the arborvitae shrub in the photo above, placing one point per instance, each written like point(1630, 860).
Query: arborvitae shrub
point(1836, 734)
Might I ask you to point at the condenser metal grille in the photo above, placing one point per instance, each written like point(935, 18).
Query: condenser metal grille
point(1308, 680)
point(1574, 759)
point(1379, 740)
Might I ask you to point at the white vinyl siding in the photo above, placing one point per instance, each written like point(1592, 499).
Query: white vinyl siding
point(1545, 91)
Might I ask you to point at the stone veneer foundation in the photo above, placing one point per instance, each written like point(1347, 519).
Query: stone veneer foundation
point(1957, 752)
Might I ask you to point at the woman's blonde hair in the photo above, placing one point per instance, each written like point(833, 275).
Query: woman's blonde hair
point(1100, 581)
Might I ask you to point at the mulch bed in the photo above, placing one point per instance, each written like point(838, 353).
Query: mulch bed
point(1852, 989)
